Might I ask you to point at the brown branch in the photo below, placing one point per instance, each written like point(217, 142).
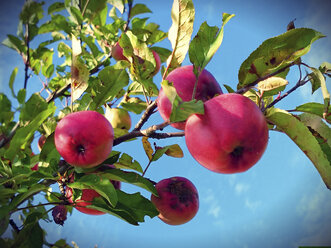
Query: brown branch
point(27, 62)
point(249, 86)
point(298, 84)
point(149, 132)
point(130, 4)
point(148, 112)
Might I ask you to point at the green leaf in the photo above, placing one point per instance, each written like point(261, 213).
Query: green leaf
point(112, 82)
point(76, 14)
point(33, 107)
point(5, 105)
point(175, 151)
point(11, 81)
point(130, 177)
point(304, 139)
point(228, 88)
point(272, 86)
point(325, 68)
point(127, 162)
point(139, 8)
point(93, 8)
point(315, 108)
point(32, 12)
point(14, 43)
point(318, 76)
point(118, 4)
point(21, 96)
point(320, 131)
point(207, 41)
point(180, 32)
point(276, 53)
point(24, 134)
point(55, 7)
point(100, 184)
point(134, 104)
point(49, 151)
point(79, 77)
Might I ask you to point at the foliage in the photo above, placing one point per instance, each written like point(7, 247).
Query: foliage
point(82, 35)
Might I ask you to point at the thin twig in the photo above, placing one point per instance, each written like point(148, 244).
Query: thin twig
point(249, 86)
point(27, 62)
point(148, 112)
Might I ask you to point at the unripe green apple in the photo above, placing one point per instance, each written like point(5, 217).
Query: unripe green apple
point(118, 118)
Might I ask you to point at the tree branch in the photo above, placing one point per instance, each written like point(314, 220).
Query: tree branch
point(249, 86)
point(148, 112)
point(27, 61)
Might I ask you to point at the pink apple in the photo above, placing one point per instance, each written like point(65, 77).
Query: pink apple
point(230, 137)
point(84, 139)
point(178, 200)
point(183, 80)
point(87, 197)
point(117, 52)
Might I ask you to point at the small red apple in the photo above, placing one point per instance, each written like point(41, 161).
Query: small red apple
point(183, 80)
point(87, 197)
point(230, 137)
point(41, 142)
point(157, 63)
point(84, 139)
point(178, 200)
point(117, 52)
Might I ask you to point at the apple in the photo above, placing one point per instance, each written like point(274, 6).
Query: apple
point(87, 197)
point(118, 118)
point(157, 63)
point(84, 138)
point(117, 52)
point(230, 137)
point(178, 200)
point(183, 80)
point(41, 142)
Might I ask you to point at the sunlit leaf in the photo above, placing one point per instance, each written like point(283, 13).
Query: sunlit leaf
point(175, 151)
point(182, 15)
point(139, 8)
point(207, 41)
point(276, 53)
point(147, 147)
point(315, 108)
point(301, 135)
point(272, 86)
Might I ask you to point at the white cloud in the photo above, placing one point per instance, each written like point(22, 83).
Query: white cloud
point(241, 188)
point(252, 205)
point(214, 205)
point(314, 208)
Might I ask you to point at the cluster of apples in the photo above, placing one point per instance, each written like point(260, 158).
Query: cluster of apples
point(230, 137)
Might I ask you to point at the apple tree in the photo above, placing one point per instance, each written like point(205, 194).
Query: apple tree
point(96, 61)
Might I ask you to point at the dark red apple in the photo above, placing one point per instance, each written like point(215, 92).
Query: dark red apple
point(230, 137)
point(87, 197)
point(84, 139)
point(183, 80)
point(41, 142)
point(178, 200)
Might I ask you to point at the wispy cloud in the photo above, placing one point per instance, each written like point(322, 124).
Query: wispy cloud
point(241, 188)
point(314, 209)
point(214, 205)
point(252, 205)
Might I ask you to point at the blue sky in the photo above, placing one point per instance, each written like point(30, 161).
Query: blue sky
point(280, 202)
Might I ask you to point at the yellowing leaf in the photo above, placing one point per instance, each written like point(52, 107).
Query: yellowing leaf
point(175, 151)
point(272, 85)
point(182, 15)
point(147, 147)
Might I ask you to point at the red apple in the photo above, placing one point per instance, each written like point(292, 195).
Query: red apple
point(41, 142)
point(157, 63)
point(230, 137)
point(178, 200)
point(183, 80)
point(84, 139)
point(87, 197)
point(117, 52)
